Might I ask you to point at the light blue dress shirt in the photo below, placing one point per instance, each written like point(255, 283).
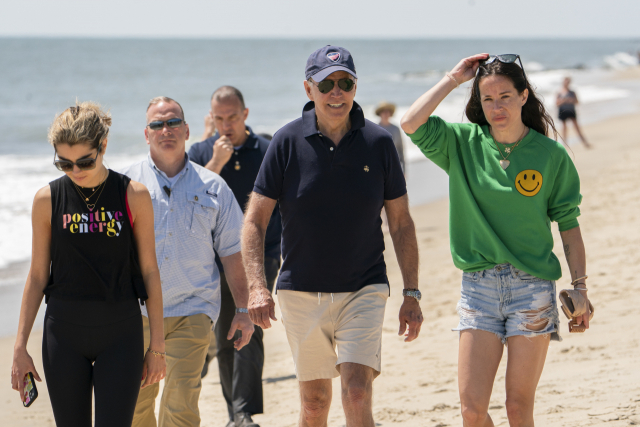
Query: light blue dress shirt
point(199, 216)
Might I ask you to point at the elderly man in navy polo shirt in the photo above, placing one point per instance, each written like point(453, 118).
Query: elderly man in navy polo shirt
point(332, 172)
point(235, 153)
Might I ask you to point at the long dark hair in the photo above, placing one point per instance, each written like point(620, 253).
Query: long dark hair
point(533, 113)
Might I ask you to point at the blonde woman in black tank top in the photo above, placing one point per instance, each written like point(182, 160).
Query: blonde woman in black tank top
point(93, 258)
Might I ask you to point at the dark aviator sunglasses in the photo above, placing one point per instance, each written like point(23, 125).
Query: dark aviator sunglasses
point(82, 164)
point(172, 123)
point(505, 58)
point(326, 85)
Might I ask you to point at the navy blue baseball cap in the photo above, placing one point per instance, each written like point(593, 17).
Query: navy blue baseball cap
point(327, 60)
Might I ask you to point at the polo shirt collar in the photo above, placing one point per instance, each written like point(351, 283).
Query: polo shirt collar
point(309, 118)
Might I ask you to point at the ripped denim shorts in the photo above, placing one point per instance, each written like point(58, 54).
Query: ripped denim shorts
point(508, 302)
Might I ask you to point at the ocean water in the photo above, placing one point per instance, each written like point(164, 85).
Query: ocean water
point(42, 77)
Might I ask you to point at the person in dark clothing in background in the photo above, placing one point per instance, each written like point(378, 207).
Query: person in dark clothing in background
point(235, 153)
point(566, 102)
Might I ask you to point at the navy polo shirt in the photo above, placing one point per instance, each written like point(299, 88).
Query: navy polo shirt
point(330, 199)
point(240, 173)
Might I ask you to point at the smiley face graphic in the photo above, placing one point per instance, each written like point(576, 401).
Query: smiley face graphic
point(529, 182)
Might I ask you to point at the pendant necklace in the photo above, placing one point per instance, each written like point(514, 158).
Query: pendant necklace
point(504, 163)
point(95, 190)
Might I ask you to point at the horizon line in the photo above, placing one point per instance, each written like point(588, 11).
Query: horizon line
point(314, 38)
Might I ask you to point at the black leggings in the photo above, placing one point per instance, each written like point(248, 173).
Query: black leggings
point(96, 345)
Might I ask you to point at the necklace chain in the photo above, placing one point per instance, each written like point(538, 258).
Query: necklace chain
point(85, 199)
point(510, 150)
point(93, 191)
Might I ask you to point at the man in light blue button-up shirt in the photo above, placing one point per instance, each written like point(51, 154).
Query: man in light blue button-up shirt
point(196, 215)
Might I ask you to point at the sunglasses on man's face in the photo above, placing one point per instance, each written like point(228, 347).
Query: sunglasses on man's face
point(506, 58)
point(82, 164)
point(326, 85)
point(172, 123)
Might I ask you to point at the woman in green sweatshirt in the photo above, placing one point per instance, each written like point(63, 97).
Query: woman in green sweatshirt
point(507, 182)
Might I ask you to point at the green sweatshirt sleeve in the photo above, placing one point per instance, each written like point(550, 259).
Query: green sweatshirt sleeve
point(435, 139)
point(565, 194)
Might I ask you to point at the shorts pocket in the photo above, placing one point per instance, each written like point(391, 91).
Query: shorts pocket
point(526, 277)
point(470, 277)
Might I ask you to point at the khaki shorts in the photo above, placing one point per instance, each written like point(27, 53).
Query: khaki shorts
point(318, 322)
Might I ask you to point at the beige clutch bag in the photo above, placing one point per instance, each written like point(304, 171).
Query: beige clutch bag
point(574, 305)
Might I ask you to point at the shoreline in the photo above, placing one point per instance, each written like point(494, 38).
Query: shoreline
point(588, 378)
point(14, 270)
point(603, 92)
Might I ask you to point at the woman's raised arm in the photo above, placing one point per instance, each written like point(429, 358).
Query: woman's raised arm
point(421, 110)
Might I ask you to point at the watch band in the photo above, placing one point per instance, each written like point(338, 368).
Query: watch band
point(413, 293)
point(242, 310)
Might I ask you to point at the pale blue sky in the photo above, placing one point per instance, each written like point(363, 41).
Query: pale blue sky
point(309, 19)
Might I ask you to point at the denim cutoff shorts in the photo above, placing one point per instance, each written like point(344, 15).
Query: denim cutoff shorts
point(508, 302)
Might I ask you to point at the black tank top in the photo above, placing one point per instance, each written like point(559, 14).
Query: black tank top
point(93, 254)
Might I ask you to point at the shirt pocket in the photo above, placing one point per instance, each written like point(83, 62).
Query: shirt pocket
point(204, 210)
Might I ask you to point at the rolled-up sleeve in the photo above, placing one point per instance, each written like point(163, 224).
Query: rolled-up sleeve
point(565, 195)
point(228, 228)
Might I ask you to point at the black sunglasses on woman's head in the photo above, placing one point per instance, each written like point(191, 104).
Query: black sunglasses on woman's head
point(505, 58)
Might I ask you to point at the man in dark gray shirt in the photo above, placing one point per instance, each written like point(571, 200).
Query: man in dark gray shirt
point(385, 111)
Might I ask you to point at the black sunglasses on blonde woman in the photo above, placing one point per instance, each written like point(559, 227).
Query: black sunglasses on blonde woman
point(82, 164)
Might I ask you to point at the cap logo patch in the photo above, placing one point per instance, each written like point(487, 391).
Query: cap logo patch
point(334, 56)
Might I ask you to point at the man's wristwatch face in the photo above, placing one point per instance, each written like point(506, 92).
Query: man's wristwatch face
point(413, 293)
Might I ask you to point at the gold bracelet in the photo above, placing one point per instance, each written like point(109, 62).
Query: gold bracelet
point(156, 353)
point(579, 278)
point(453, 79)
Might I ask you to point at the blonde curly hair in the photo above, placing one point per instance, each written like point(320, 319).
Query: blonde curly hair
point(86, 123)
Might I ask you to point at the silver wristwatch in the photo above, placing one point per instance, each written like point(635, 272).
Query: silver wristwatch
point(242, 310)
point(413, 293)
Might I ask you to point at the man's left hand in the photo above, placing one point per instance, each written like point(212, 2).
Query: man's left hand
point(410, 319)
point(261, 306)
point(242, 323)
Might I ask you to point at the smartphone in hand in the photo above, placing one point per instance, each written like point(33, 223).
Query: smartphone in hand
point(30, 392)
